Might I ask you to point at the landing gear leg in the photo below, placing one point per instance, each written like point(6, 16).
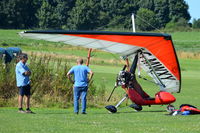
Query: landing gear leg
point(113, 109)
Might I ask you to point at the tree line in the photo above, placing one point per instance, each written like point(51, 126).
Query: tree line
point(92, 14)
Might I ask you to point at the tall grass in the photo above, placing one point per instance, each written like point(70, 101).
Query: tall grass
point(50, 86)
point(188, 55)
point(7, 80)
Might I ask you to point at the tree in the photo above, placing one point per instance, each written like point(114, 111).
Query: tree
point(178, 9)
point(180, 25)
point(117, 13)
point(18, 13)
point(47, 18)
point(196, 23)
point(63, 8)
point(161, 10)
point(85, 15)
point(28, 13)
point(90, 14)
point(146, 19)
point(148, 4)
point(2, 14)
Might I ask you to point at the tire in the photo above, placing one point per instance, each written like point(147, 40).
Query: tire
point(111, 108)
point(136, 107)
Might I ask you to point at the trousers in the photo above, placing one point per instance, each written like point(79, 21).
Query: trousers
point(80, 92)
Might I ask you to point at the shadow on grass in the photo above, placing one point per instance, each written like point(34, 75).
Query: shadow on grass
point(53, 113)
point(155, 111)
point(124, 110)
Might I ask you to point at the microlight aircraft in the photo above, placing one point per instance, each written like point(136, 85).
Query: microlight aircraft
point(152, 52)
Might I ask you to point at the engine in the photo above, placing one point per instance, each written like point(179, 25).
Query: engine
point(124, 77)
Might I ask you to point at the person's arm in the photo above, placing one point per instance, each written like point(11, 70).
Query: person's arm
point(90, 76)
point(70, 78)
point(27, 73)
point(69, 74)
point(23, 71)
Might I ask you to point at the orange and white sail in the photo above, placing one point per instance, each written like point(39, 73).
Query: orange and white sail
point(157, 54)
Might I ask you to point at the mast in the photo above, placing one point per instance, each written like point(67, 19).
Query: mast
point(133, 21)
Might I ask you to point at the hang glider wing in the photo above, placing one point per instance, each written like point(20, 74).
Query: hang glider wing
point(157, 54)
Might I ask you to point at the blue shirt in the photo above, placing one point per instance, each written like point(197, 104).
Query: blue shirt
point(22, 80)
point(80, 75)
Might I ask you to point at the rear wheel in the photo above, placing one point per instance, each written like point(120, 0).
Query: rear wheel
point(170, 108)
point(136, 107)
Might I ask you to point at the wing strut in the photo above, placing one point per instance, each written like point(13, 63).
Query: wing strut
point(134, 64)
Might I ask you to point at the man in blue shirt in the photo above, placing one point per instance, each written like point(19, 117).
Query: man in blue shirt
point(80, 82)
point(23, 82)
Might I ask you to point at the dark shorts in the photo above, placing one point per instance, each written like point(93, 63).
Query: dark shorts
point(25, 90)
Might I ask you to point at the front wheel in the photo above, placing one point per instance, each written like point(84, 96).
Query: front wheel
point(111, 108)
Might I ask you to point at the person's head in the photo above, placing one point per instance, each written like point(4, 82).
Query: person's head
point(23, 57)
point(79, 61)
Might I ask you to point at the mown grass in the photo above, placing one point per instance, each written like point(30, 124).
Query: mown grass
point(150, 120)
point(187, 41)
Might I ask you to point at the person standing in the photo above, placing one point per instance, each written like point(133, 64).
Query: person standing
point(81, 80)
point(23, 82)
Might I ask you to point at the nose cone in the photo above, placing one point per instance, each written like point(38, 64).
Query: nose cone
point(164, 98)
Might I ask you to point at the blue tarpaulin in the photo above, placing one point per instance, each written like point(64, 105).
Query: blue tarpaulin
point(11, 53)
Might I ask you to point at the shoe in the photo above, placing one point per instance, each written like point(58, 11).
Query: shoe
point(84, 113)
point(29, 111)
point(21, 111)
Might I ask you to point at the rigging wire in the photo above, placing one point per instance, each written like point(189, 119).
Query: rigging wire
point(116, 58)
point(94, 53)
point(144, 21)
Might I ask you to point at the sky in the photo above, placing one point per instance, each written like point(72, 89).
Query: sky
point(194, 8)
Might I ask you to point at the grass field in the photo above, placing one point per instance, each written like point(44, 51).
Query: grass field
point(149, 120)
point(187, 41)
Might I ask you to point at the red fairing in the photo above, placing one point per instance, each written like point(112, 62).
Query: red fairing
point(160, 98)
point(137, 98)
point(164, 98)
